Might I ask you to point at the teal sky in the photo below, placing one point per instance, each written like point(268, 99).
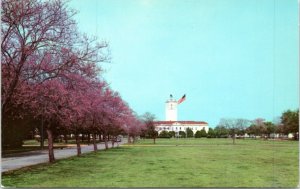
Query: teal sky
point(232, 58)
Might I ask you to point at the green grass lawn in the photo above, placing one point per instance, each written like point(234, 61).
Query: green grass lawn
point(171, 163)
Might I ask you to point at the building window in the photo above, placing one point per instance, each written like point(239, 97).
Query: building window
point(179, 128)
point(176, 128)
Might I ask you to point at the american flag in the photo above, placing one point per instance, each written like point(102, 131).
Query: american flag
point(181, 99)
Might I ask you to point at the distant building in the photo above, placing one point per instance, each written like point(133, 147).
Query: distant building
point(171, 123)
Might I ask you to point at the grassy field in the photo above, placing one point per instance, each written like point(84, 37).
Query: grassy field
point(172, 163)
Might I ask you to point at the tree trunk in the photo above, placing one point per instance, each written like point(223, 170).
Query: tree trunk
point(78, 145)
point(42, 136)
point(42, 142)
point(66, 138)
point(117, 142)
point(113, 141)
point(128, 138)
point(50, 146)
point(89, 138)
point(233, 138)
point(105, 141)
point(154, 140)
point(82, 137)
point(94, 142)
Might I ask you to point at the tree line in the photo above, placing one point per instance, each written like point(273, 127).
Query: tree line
point(51, 77)
point(289, 123)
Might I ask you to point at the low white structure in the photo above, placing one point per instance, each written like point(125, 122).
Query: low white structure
point(171, 123)
point(181, 126)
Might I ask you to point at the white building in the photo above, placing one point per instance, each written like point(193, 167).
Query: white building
point(171, 110)
point(171, 123)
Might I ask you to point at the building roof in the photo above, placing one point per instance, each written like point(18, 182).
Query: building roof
point(180, 122)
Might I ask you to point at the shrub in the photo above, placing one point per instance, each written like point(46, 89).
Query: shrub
point(198, 134)
point(211, 133)
point(164, 134)
point(189, 132)
point(182, 134)
point(172, 134)
point(203, 133)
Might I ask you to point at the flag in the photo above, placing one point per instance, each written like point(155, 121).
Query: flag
point(181, 100)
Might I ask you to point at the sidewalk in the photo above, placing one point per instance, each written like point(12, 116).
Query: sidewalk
point(41, 156)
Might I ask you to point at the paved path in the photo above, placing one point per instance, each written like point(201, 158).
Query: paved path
point(41, 156)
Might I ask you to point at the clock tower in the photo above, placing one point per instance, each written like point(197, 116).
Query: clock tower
point(171, 109)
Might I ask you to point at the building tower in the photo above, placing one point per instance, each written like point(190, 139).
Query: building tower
point(171, 109)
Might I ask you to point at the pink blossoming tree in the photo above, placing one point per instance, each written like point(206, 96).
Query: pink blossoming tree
point(50, 74)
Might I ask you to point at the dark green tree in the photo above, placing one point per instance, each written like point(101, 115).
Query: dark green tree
point(164, 134)
point(203, 133)
point(280, 129)
point(13, 136)
point(290, 121)
point(172, 134)
point(252, 130)
point(189, 133)
point(198, 134)
point(221, 132)
point(182, 134)
point(211, 133)
point(270, 128)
